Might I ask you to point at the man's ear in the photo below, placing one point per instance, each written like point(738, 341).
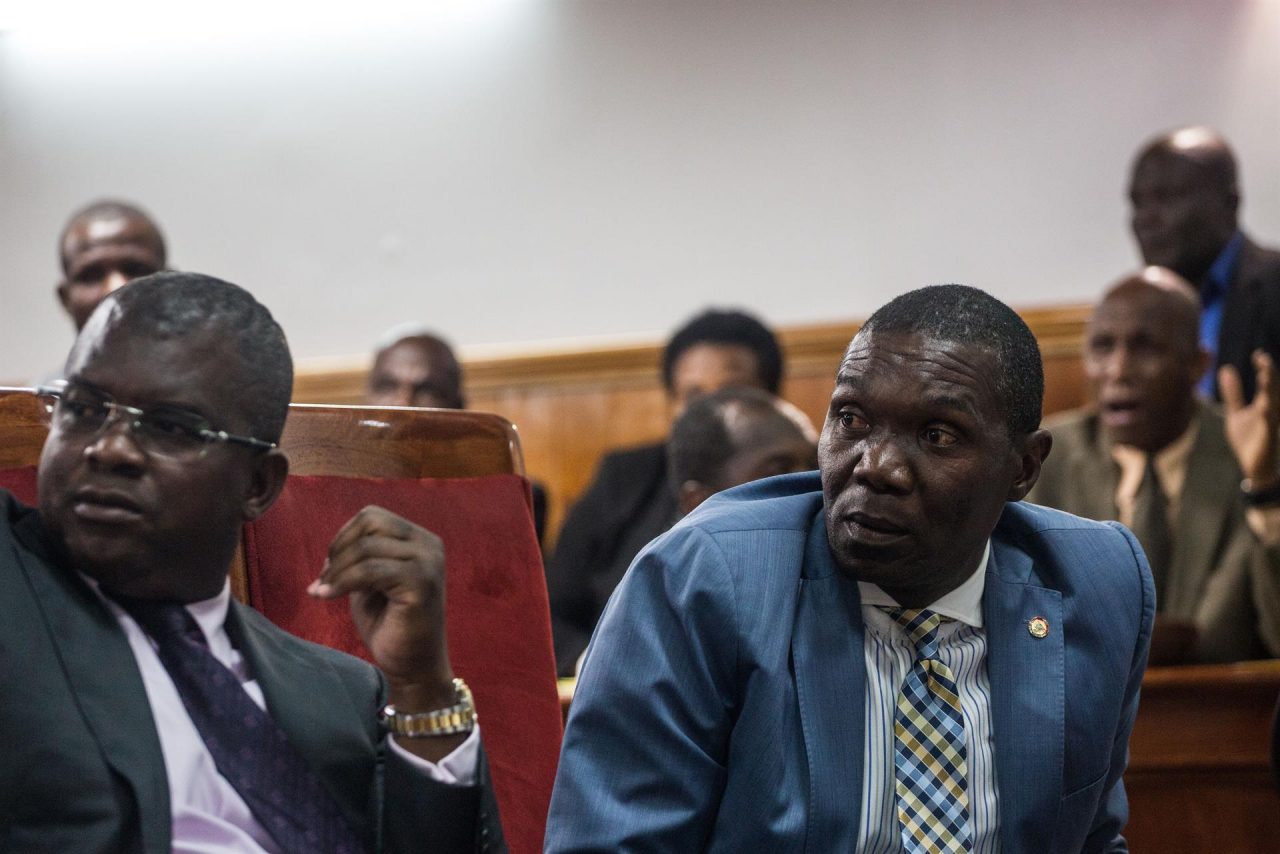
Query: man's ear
point(270, 470)
point(1033, 451)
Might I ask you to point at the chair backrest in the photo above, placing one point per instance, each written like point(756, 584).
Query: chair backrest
point(459, 474)
point(22, 433)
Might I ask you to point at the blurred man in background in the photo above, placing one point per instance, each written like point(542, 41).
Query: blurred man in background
point(1185, 199)
point(1201, 491)
point(735, 436)
point(632, 499)
point(103, 247)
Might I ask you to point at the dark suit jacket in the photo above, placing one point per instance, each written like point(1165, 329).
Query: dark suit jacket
point(1251, 313)
point(82, 768)
point(721, 707)
point(1221, 578)
point(629, 503)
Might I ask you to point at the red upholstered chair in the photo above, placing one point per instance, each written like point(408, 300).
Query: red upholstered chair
point(460, 474)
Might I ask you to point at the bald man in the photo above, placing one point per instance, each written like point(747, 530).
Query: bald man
point(1185, 199)
point(1199, 486)
point(103, 247)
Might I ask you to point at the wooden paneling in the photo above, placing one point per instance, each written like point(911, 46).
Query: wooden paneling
point(24, 429)
point(572, 406)
point(1199, 774)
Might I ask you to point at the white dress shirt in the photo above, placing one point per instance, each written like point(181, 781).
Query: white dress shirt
point(890, 655)
point(209, 816)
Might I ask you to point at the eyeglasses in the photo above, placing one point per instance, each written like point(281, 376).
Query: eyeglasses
point(77, 411)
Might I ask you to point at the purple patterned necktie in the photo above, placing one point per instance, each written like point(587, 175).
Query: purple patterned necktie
point(249, 748)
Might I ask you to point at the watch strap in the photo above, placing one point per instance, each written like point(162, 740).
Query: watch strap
point(451, 720)
point(1259, 497)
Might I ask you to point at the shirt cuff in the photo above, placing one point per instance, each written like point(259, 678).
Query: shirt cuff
point(1265, 524)
point(459, 768)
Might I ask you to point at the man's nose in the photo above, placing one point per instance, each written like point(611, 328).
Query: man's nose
point(1117, 364)
point(883, 466)
point(114, 445)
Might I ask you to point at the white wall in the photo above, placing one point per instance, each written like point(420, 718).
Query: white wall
point(524, 171)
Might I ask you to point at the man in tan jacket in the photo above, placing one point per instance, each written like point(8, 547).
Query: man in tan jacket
point(1199, 486)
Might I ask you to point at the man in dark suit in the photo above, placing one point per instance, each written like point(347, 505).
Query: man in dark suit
point(894, 653)
point(1152, 456)
point(141, 708)
point(632, 500)
point(1185, 200)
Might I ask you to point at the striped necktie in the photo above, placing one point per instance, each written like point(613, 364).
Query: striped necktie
point(930, 767)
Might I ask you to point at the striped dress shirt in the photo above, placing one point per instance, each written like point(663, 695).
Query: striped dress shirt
point(962, 646)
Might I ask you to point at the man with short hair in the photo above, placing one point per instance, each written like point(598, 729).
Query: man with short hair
point(891, 654)
point(631, 500)
point(102, 247)
point(415, 368)
point(734, 436)
point(1149, 454)
point(148, 711)
point(1185, 199)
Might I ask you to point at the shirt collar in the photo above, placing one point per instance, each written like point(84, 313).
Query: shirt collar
point(1218, 279)
point(963, 604)
point(1170, 461)
point(210, 614)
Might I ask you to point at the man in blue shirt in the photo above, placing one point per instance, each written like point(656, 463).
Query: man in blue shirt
point(1185, 202)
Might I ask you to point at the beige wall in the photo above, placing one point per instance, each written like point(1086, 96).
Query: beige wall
point(515, 171)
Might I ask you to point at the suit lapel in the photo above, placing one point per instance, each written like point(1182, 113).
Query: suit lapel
point(1096, 474)
point(104, 678)
point(830, 673)
point(1204, 513)
point(1027, 710)
point(313, 706)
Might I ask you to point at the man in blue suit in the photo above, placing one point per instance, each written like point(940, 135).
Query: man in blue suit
point(891, 654)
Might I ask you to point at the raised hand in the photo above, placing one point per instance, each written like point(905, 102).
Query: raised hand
point(393, 572)
point(1251, 428)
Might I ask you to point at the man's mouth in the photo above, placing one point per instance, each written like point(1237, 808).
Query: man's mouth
point(870, 529)
point(104, 506)
point(1121, 413)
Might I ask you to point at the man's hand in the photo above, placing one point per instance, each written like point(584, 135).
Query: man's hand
point(393, 571)
point(1251, 429)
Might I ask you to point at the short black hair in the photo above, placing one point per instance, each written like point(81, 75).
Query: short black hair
point(968, 315)
point(700, 444)
point(175, 305)
point(111, 209)
point(732, 327)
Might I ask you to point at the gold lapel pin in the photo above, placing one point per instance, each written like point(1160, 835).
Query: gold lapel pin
point(1038, 627)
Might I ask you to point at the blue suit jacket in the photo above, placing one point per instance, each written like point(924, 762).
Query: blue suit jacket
point(721, 705)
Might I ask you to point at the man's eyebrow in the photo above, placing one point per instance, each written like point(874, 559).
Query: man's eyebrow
point(961, 402)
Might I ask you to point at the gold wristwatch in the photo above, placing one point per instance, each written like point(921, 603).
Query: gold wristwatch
point(451, 720)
